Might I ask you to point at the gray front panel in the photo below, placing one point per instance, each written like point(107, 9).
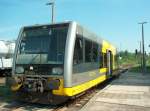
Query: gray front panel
point(16, 50)
point(69, 55)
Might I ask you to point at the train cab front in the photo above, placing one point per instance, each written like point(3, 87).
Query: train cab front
point(39, 64)
point(38, 88)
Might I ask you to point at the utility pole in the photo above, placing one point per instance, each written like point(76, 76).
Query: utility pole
point(141, 55)
point(143, 48)
point(52, 4)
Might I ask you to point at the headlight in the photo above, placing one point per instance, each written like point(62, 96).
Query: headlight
point(19, 69)
point(57, 70)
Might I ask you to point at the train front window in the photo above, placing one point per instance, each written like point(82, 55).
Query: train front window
point(34, 44)
point(44, 40)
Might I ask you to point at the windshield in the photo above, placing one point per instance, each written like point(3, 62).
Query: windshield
point(46, 41)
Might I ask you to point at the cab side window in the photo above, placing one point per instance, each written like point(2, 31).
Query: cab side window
point(78, 51)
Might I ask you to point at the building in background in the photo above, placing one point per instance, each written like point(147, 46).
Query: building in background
point(6, 57)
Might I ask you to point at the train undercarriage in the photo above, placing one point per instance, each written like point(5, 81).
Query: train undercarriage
point(38, 90)
point(42, 98)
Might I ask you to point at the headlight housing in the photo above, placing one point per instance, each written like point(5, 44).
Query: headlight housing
point(17, 80)
point(19, 69)
point(57, 70)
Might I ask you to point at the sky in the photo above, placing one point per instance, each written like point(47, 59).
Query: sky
point(114, 20)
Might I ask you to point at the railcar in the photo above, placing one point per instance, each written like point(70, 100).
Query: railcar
point(55, 62)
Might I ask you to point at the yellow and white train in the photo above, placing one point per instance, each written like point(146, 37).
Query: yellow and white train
point(57, 61)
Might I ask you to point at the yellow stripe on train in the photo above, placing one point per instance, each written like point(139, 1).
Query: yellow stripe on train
point(103, 70)
point(79, 88)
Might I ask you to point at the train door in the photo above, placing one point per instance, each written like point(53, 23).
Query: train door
point(109, 63)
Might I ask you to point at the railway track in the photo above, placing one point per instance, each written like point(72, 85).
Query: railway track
point(71, 105)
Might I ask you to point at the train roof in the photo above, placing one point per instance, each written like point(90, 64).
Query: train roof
point(87, 31)
point(96, 37)
point(39, 25)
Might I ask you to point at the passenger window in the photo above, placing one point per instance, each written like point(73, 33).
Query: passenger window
point(95, 52)
point(91, 51)
point(104, 60)
point(88, 51)
point(101, 59)
point(78, 50)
